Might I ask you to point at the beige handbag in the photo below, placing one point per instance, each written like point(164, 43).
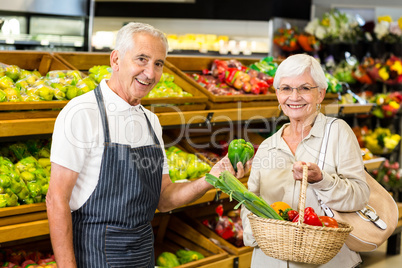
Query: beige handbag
point(372, 225)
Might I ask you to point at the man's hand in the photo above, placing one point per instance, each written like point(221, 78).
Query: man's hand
point(224, 164)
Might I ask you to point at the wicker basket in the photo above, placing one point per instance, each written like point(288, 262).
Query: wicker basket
point(297, 241)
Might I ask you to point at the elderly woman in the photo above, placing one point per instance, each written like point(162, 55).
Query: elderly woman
point(277, 166)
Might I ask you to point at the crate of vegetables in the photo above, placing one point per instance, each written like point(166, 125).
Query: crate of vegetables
point(223, 226)
point(179, 245)
point(33, 252)
point(230, 82)
point(171, 94)
point(24, 180)
point(20, 69)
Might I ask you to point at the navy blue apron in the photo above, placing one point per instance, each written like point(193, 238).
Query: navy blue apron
point(113, 228)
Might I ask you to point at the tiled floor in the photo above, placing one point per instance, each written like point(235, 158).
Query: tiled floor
point(379, 259)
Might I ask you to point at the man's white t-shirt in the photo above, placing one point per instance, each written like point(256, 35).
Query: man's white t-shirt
point(78, 140)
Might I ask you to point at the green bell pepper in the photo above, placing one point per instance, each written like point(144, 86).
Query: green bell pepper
point(5, 181)
point(3, 201)
point(240, 151)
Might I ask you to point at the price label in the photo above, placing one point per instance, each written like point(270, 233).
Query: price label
point(44, 42)
point(10, 41)
point(78, 44)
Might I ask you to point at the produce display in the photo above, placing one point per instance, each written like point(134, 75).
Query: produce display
point(381, 140)
point(378, 141)
point(215, 153)
point(18, 85)
point(24, 173)
point(334, 86)
point(166, 87)
point(387, 105)
point(184, 166)
point(182, 256)
point(229, 226)
point(24, 259)
point(389, 176)
point(232, 77)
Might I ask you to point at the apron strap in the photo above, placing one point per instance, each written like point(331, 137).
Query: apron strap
point(151, 129)
point(102, 110)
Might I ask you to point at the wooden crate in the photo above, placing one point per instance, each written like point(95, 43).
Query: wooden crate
point(83, 61)
point(172, 234)
point(195, 64)
point(23, 222)
point(194, 219)
point(31, 60)
point(184, 65)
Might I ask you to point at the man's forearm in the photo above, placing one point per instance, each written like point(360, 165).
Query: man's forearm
point(61, 234)
point(179, 194)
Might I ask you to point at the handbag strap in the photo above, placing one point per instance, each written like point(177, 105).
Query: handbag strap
point(321, 161)
point(321, 156)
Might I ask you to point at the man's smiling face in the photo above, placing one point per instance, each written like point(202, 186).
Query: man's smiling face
point(141, 67)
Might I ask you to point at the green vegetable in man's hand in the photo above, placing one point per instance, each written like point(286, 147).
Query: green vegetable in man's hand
point(240, 151)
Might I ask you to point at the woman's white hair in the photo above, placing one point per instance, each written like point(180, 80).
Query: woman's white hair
point(298, 64)
point(124, 37)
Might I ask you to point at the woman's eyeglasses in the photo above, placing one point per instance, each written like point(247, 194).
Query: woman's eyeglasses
point(302, 90)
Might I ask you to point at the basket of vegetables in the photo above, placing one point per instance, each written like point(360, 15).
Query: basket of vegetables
point(283, 239)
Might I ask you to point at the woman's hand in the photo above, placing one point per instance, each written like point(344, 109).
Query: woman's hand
point(314, 172)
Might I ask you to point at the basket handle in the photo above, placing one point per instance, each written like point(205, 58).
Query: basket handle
point(302, 197)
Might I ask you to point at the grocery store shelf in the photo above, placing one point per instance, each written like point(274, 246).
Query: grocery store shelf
point(23, 230)
point(339, 109)
point(31, 123)
point(12, 211)
point(217, 116)
point(32, 105)
point(22, 127)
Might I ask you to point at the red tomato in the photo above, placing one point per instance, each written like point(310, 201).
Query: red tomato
point(328, 221)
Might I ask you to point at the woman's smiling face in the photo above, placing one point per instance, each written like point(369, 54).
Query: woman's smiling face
point(299, 106)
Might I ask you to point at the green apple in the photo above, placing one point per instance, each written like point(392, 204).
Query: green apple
point(3, 96)
point(31, 79)
point(46, 92)
point(74, 74)
point(13, 71)
point(37, 73)
point(71, 92)
point(59, 95)
point(6, 82)
point(24, 74)
point(59, 86)
point(55, 74)
point(27, 176)
point(32, 91)
point(12, 94)
point(21, 84)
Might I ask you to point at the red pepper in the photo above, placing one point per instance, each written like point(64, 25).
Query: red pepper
point(292, 214)
point(231, 75)
point(206, 71)
point(310, 217)
point(219, 210)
